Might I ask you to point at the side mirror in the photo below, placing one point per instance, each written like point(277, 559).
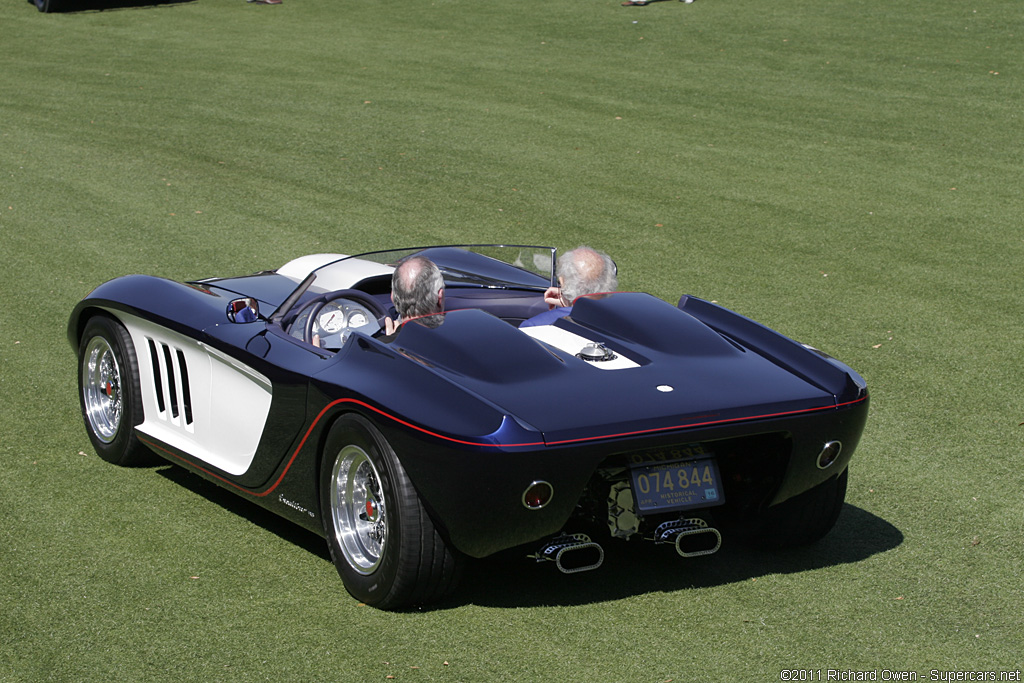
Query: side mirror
point(245, 310)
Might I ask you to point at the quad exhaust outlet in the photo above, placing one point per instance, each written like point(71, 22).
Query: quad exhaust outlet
point(574, 553)
point(691, 536)
point(571, 553)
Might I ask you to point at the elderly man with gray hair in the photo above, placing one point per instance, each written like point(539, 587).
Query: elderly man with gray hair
point(580, 272)
point(417, 290)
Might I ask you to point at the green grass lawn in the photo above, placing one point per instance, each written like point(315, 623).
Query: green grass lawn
point(849, 173)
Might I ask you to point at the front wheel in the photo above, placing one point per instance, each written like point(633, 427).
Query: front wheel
point(386, 548)
point(108, 388)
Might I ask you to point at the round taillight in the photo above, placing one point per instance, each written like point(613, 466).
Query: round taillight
point(829, 454)
point(537, 495)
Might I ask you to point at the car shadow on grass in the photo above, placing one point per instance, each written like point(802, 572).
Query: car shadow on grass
point(511, 579)
point(637, 567)
point(261, 517)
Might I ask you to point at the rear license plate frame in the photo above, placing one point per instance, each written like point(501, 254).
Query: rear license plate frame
point(679, 485)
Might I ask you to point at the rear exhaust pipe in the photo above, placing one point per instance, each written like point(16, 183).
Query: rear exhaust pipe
point(571, 553)
point(691, 536)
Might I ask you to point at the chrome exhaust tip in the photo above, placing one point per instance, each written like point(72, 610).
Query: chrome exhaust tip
point(691, 536)
point(571, 553)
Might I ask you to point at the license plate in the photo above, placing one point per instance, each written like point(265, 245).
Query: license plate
point(670, 486)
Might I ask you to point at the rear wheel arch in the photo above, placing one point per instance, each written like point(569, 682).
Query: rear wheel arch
point(381, 538)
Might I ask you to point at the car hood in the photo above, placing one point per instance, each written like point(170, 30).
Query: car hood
point(677, 372)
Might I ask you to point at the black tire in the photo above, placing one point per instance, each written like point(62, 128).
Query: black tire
point(109, 392)
point(803, 519)
point(384, 545)
point(49, 5)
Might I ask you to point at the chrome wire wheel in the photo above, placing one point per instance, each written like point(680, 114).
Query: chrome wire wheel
point(358, 512)
point(101, 389)
point(381, 539)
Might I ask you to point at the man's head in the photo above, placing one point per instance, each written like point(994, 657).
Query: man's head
point(417, 288)
point(585, 271)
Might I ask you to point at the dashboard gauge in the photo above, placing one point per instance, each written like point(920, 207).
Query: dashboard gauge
point(331, 319)
point(357, 318)
point(333, 322)
point(299, 325)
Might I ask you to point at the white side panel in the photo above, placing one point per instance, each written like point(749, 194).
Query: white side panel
point(569, 342)
point(198, 399)
point(344, 275)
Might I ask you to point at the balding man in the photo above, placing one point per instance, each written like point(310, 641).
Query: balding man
point(580, 272)
point(417, 290)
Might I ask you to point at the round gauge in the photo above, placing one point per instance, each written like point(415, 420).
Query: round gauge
point(331, 319)
point(299, 325)
point(357, 319)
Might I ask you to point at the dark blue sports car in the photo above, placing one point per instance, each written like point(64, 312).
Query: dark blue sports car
point(630, 418)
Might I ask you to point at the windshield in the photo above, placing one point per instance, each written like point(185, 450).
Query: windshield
point(477, 265)
point(487, 265)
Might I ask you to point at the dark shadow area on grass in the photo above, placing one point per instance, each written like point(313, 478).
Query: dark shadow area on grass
point(79, 6)
point(510, 579)
point(261, 517)
point(634, 567)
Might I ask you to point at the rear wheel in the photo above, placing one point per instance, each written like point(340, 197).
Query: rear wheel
point(49, 5)
point(108, 389)
point(803, 519)
point(386, 548)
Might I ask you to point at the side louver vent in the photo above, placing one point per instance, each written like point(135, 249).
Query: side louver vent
point(170, 382)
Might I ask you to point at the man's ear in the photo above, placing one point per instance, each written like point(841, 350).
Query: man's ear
point(440, 299)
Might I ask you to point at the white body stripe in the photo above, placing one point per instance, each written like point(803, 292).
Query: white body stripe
point(569, 342)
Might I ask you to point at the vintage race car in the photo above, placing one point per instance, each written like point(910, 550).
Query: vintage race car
point(411, 452)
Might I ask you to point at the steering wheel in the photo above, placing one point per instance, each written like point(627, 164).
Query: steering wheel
point(352, 295)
